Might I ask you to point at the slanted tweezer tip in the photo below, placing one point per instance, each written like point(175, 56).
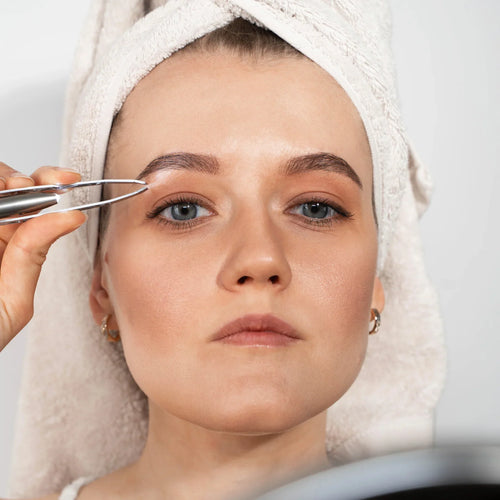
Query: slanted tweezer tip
point(12, 199)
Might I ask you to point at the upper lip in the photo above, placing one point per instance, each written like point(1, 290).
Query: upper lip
point(257, 323)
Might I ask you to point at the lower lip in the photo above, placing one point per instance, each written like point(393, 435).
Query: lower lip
point(261, 338)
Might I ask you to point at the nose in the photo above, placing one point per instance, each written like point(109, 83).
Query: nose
point(255, 258)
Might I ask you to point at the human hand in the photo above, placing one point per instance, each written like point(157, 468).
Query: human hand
point(24, 247)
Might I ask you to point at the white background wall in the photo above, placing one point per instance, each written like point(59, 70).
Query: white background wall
point(449, 76)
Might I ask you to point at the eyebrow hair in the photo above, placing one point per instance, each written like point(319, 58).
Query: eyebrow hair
point(327, 162)
point(207, 164)
point(182, 161)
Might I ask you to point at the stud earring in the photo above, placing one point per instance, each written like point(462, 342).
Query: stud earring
point(375, 317)
point(111, 335)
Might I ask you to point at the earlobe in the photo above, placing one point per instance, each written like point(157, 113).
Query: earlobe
point(378, 297)
point(100, 303)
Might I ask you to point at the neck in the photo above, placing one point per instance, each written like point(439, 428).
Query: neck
point(182, 460)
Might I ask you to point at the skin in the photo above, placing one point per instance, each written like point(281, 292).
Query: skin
point(229, 420)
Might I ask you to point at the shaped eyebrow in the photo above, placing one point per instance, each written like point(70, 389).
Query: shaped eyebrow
point(182, 161)
point(207, 164)
point(327, 162)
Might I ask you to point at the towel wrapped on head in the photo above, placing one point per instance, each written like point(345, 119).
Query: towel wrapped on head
point(80, 411)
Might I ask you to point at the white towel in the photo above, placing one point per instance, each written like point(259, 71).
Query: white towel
point(81, 413)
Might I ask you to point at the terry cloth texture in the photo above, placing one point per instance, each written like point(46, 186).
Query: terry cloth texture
point(81, 413)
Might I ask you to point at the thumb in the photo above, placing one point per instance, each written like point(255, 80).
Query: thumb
point(22, 262)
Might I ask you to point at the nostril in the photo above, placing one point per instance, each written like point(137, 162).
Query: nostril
point(244, 279)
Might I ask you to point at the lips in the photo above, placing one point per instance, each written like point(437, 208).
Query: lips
point(256, 329)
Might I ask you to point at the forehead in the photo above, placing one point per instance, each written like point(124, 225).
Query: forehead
point(237, 108)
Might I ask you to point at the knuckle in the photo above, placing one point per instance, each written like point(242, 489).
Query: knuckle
point(45, 175)
point(6, 169)
point(34, 254)
point(43, 169)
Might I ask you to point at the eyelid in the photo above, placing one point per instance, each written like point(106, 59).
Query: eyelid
point(180, 197)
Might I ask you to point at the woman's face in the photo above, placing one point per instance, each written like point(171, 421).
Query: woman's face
point(248, 216)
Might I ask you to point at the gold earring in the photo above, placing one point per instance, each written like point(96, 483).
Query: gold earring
point(111, 335)
point(375, 316)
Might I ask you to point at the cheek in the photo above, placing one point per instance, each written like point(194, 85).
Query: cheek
point(338, 274)
point(338, 290)
point(154, 286)
point(157, 290)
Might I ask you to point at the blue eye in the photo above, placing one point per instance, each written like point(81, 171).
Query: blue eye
point(183, 211)
point(315, 210)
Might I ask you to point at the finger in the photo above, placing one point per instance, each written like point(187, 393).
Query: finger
point(55, 175)
point(18, 180)
point(10, 179)
point(6, 170)
point(13, 179)
point(23, 259)
point(6, 232)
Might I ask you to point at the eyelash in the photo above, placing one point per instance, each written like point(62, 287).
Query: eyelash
point(340, 213)
point(191, 199)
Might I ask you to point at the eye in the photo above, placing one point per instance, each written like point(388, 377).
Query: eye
point(183, 211)
point(319, 212)
point(315, 210)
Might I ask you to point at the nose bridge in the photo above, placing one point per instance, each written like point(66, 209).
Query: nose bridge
point(255, 253)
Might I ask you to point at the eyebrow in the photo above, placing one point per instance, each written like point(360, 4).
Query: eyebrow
point(207, 164)
point(326, 162)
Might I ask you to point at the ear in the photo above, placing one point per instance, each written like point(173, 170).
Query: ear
point(378, 297)
point(100, 303)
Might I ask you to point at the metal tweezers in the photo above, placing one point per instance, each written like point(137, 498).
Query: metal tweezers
point(30, 200)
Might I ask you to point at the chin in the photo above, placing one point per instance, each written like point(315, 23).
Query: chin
point(254, 423)
point(257, 416)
